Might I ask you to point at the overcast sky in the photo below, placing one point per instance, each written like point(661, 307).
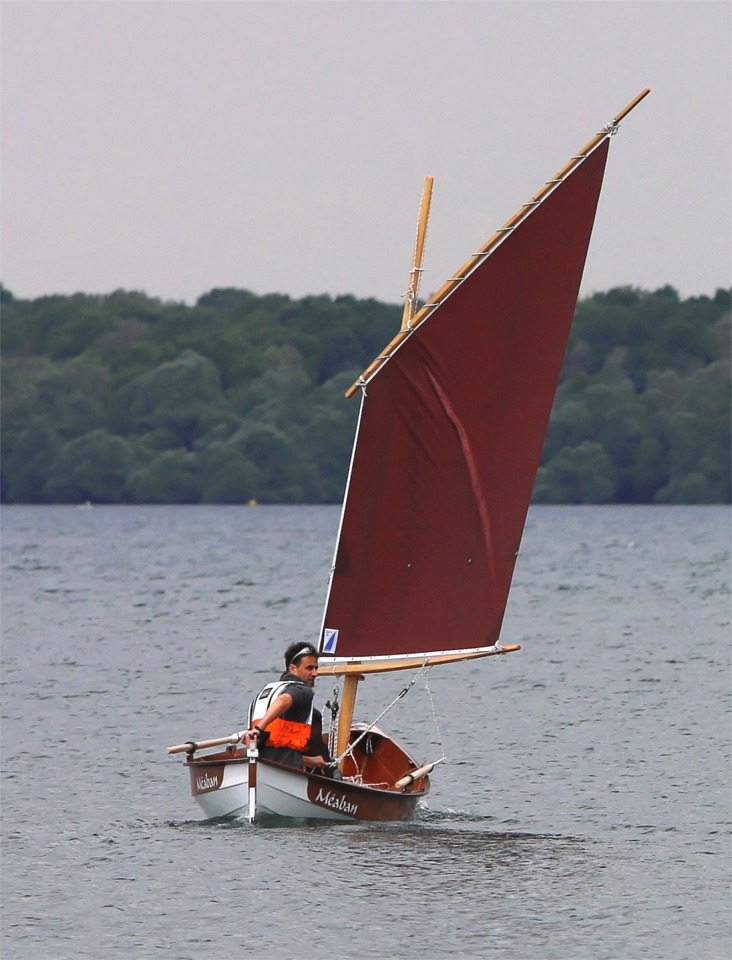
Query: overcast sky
point(174, 147)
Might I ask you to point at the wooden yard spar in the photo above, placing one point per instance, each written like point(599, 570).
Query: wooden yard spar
point(500, 235)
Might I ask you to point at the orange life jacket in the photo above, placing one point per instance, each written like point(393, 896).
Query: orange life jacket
point(282, 733)
point(288, 733)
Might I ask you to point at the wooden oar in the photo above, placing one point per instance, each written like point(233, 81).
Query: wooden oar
point(416, 774)
point(194, 745)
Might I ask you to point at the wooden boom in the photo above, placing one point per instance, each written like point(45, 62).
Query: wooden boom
point(344, 669)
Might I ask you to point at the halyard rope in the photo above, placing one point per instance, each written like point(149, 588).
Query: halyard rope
point(434, 717)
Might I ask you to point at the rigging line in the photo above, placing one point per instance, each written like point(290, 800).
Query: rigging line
point(410, 292)
point(334, 708)
point(402, 693)
point(434, 717)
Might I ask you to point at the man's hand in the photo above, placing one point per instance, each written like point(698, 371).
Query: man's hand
point(314, 762)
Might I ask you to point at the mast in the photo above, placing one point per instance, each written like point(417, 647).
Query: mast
point(345, 714)
point(415, 274)
point(354, 676)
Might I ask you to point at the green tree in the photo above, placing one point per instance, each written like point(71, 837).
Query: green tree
point(277, 396)
point(75, 396)
point(693, 413)
point(93, 467)
point(270, 451)
point(227, 476)
point(183, 398)
point(580, 474)
point(30, 460)
point(620, 423)
point(252, 389)
point(325, 443)
point(171, 478)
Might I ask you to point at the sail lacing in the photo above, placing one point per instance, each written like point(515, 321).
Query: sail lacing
point(410, 295)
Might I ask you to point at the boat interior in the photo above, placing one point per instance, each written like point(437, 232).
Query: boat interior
point(375, 761)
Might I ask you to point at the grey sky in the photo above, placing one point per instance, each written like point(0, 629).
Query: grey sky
point(174, 147)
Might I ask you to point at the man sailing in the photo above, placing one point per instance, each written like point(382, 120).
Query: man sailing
point(283, 719)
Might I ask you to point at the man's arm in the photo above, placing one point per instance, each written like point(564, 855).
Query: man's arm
point(280, 706)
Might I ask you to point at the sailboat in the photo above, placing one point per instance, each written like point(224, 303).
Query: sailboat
point(452, 421)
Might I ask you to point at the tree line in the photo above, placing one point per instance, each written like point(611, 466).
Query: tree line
point(125, 398)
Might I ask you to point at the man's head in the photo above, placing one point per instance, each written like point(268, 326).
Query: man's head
point(301, 659)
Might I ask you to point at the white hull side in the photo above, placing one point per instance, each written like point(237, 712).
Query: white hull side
point(231, 797)
point(286, 794)
point(278, 791)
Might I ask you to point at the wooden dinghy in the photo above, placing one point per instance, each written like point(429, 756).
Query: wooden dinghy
point(453, 417)
point(378, 781)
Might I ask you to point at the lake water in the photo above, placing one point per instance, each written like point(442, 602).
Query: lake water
point(583, 811)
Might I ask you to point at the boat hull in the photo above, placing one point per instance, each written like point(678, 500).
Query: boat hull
point(220, 785)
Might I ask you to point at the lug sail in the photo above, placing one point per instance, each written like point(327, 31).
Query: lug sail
point(452, 423)
point(449, 440)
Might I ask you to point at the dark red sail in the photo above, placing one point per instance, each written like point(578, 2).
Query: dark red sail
point(449, 442)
